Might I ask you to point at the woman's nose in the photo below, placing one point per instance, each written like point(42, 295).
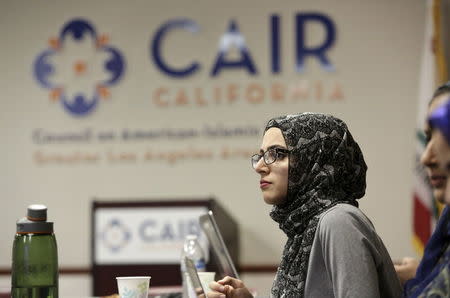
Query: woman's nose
point(428, 158)
point(261, 166)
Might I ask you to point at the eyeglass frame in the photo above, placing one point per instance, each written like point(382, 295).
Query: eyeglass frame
point(277, 150)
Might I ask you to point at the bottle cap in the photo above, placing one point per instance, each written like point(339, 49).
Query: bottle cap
point(191, 237)
point(37, 212)
point(35, 222)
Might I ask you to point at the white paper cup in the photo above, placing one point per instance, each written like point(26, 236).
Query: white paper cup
point(133, 286)
point(205, 279)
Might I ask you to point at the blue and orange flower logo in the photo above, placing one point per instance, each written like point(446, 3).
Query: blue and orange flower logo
point(115, 235)
point(79, 67)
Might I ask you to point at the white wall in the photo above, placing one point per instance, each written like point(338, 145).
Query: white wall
point(376, 55)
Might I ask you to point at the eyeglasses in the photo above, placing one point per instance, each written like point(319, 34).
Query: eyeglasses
point(270, 156)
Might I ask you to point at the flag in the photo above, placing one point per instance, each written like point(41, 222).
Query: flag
point(433, 73)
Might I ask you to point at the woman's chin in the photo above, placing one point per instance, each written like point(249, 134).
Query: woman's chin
point(272, 200)
point(439, 194)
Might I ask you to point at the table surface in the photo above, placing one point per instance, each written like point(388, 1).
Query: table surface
point(154, 292)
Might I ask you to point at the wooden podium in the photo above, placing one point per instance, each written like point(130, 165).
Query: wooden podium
point(132, 238)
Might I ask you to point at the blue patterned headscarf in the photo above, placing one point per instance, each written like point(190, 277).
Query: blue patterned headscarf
point(435, 262)
point(326, 167)
point(440, 119)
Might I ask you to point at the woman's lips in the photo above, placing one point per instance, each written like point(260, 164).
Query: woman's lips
point(438, 180)
point(264, 184)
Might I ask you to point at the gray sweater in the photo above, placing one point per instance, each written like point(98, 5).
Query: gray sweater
point(348, 259)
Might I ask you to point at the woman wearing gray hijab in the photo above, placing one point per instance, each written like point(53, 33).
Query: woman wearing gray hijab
point(313, 173)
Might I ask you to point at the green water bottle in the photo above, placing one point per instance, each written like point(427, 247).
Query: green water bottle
point(34, 256)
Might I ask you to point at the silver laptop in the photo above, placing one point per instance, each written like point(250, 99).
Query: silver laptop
point(197, 288)
point(219, 249)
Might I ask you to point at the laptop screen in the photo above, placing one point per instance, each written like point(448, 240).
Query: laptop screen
point(197, 289)
point(219, 249)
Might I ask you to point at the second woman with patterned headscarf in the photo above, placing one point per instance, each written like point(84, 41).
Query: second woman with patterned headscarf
point(313, 172)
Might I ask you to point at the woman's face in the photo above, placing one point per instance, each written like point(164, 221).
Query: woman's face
point(443, 155)
point(274, 177)
point(436, 173)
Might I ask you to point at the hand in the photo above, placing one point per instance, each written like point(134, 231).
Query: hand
point(230, 288)
point(406, 269)
point(199, 293)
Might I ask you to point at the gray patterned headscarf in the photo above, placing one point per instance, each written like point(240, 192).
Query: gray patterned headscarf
point(326, 167)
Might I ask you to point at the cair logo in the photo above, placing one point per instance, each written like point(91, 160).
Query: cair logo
point(115, 235)
point(79, 67)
